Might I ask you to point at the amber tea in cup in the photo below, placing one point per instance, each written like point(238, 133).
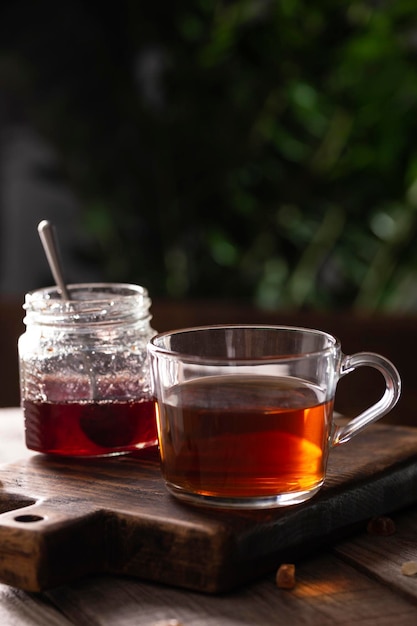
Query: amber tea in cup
point(245, 413)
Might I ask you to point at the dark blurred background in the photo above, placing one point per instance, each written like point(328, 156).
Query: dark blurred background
point(259, 150)
point(247, 161)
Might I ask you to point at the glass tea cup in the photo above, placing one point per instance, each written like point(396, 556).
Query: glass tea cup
point(245, 413)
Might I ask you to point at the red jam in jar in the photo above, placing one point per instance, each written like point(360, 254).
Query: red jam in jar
point(84, 372)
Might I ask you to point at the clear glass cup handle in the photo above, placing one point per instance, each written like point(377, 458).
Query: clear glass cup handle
point(342, 434)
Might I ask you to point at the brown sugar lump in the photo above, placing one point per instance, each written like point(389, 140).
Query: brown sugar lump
point(285, 576)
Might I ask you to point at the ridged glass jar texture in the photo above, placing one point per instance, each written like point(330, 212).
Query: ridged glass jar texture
point(84, 373)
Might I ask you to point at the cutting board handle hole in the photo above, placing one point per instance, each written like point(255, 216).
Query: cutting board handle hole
point(28, 518)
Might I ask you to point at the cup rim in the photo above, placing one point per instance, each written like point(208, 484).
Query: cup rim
point(154, 349)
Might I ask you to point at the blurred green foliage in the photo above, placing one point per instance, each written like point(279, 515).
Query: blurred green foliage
point(253, 149)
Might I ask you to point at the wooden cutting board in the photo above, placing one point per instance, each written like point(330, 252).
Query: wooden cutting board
point(61, 519)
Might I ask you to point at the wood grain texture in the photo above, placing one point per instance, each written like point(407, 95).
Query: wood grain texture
point(383, 557)
point(327, 592)
point(114, 515)
point(18, 608)
point(358, 582)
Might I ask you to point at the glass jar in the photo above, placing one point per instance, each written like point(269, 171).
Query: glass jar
point(84, 374)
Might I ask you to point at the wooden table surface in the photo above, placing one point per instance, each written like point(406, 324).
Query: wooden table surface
point(358, 581)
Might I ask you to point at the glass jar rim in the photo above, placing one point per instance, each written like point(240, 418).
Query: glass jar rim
point(105, 289)
point(90, 303)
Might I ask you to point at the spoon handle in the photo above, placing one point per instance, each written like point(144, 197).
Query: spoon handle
point(47, 235)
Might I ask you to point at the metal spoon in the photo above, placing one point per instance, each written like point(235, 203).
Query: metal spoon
point(49, 241)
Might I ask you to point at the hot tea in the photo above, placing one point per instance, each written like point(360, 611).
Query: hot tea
point(245, 412)
point(244, 435)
